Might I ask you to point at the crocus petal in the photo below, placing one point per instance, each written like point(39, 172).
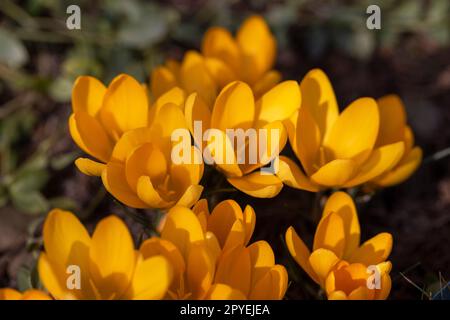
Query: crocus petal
point(129, 141)
point(224, 292)
point(354, 133)
point(112, 257)
point(90, 136)
point(272, 286)
point(234, 107)
point(195, 77)
point(386, 284)
point(90, 167)
point(200, 271)
point(221, 73)
point(392, 120)
point(236, 236)
point(183, 229)
point(335, 173)
point(175, 96)
point(258, 185)
point(159, 247)
point(151, 279)
point(149, 195)
point(337, 295)
point(342, 204)
point(266, 82)
point(10, 294)
point(197, 110)
point(381, 160)
point(162, 80)
point(293, 176)
point(222, 219)
point(53, 278)
point(190, 196)
point(145, 160)
point(219, 151)
point(403, 170)
point(87, 95)
point(360, 293)
point(319, 99)
point(219, 43)
point(213, 245)
point(322, 261)
point(32, 294)
point(300, 252)
point(125, 106)
point(115, 182)
point(374, 250)
point(249, 223)
point(262, 260)
point(330, 234)
point(258, 48)
point(279, 103)
point(234, 269)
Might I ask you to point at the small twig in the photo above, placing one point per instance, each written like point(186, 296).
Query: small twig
point(415, 285)
point(437, 156)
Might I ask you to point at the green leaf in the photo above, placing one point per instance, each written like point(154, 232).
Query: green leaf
point(12, 51)
point(64, 203)
point(62, 161)
point(30, 202)
point(29, 181)
point(61, 89)
point(24, 279)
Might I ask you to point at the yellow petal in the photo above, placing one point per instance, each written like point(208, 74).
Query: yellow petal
point(183, 229)
point(151, 279)
point(234, 107)
point(10, 294)
point(219, 43)
point(213, 245)
point(224, 292)
point(272, 286)
point(125, 106)
point(222, 219)
point(236, 236)
point(279, 103)
point(87, 95)
point(374, 250)
point(159, 247)
point(53, 278)
point(115, 182)
point(190, 196)
point(175, 95)
point(392, 120)
point(187, 174)
point(249, 223)
point(330, 234)
point(221, 72)
point(342, 204)
point(354, 133)
point(292, 175)
point(403, 170)
point(146, 160)
point(162, 80)
point(319, 99)
point(197, 110)
point(202, 211)
point(306, 140)
point(335, 173)
point(267, 82)
point(149, 195)
point(89, 135)
point(262, 260)
point(234, 269)
point(32, 294)
point(381, 160)
point(90, 167)
point(112, 257)
point(195, 77)
point(386, 284)
point(322, 261)
point(258, 185)
point(129, 141)
point(360, 293)
point(337, 295)
point(219, 151)
point(258, 48)
point(200, 271)
point(300, 252)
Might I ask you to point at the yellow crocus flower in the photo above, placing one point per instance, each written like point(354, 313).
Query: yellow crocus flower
point(248, 57)
point(393, 128)
point(236, 109)
point(104, 266)
point(31, 294)
point(336, 150)
point(210, 255)
point(338, 262)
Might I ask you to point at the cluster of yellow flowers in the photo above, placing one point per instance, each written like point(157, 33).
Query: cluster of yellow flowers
point(127, 128)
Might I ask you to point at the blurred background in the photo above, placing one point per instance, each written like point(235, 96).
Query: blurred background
point(40, 58)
